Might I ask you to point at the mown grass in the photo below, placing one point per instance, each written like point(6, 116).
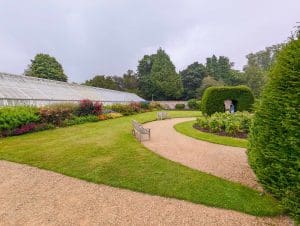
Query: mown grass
point(106, 153)
point(187, 129)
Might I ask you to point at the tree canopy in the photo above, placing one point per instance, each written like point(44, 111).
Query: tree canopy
point(192, 78)
point(258, 66)
point(102, 81)
point(158, 78)
point(47, 67)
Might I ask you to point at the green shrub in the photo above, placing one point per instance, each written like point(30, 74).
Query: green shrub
point(214, 97)
point(179, 106)
point(155, 105)
point(274, 151)
point(145, 105)
point(231, 124)
point(194, 104)
point(14, 117)
point(80, 120)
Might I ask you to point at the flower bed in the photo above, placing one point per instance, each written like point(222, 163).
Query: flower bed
point(226, 124)
point(24, 119)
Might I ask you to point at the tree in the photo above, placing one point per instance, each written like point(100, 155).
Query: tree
point(221, 69)
point(146, 88)
point(102, 81)
point(130, 81)
point(255, 78)
point(258, 66)
point(274, 150)
point(207, 82)
point(47, 67)
point(158, 78)
point(191, 79)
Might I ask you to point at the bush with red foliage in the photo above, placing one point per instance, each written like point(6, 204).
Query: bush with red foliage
point(24, 129)
point(54, 116)
point(135, 106)
point(87, 107)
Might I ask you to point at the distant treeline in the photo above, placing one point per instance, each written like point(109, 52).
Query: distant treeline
point(156, 77)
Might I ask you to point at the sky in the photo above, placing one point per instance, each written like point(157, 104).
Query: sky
point(96, 37)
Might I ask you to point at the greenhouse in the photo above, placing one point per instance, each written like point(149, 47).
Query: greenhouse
point(24, 90)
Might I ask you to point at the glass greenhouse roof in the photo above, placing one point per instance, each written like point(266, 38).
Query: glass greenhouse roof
point(31, 88)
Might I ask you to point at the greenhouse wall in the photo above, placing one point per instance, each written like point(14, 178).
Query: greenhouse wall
point(24, 90)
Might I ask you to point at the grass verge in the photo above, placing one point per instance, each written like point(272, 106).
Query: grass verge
point(187, 129)
point(106, 153)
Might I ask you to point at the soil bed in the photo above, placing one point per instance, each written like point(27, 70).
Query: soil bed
point(222, 133)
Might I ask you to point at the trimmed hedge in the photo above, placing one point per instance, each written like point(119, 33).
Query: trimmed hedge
point(180, 106)
point(214, 97)
point(274, 151)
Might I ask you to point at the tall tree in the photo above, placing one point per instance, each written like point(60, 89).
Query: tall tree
point(46, 66)
point(274, 147)
point(258, 66)
point(221, 70)
point(158, 77)
point(146, 87)
point(192, 78)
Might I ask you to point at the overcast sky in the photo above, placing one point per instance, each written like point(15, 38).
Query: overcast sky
point(92, 37)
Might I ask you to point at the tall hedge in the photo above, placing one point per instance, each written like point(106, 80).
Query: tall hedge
point(214, 97)
point(274, 151)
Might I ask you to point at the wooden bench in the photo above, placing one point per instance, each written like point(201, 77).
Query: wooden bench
point(138, 130)
point(161, 115)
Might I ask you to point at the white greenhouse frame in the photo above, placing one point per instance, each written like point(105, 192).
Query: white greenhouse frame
point(24, 90)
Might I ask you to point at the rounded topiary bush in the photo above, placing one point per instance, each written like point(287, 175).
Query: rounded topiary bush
point(214, 97)
point(274, 151)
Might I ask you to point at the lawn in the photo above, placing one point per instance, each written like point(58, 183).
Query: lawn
point(106, 153)
point(186, 128)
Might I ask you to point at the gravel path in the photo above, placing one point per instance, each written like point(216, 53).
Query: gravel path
point(223, 161)
point(31, 196)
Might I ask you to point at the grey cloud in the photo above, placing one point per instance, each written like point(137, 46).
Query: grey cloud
point(109, 37)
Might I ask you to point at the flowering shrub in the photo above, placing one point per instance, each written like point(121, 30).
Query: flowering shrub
point(102, 117)
point(127, 109)
point(30, 127)
point(24, 129)
point(55, 114)
point(135, 106)
point(113, 115)
point(230, 124)
point(87, 107)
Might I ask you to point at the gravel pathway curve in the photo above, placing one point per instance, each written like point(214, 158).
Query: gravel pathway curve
point(223, 161)
point(31, 196)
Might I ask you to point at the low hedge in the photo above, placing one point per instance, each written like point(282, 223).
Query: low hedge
point(214, 97)
point(180, 106)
